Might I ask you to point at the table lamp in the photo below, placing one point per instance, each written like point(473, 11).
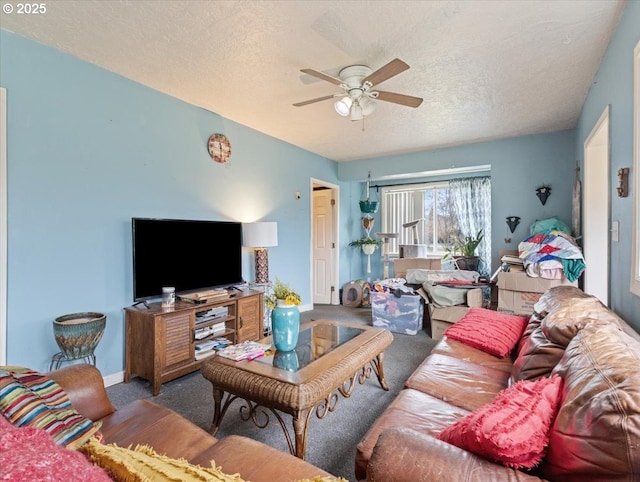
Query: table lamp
point(260, 236)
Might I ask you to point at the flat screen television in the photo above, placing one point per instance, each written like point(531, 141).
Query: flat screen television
point(188, 255)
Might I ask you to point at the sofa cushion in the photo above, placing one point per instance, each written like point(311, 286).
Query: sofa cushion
point(410, 409)
point(514, 428)
point(143, 422)
point(30, 399)
point(458, 382)
point(543, 344)
point(30, 454)
point(265, 463)
point(566, 320)
point(459, 350)
point(492, 332)
point(554, 297)
point(597, 431)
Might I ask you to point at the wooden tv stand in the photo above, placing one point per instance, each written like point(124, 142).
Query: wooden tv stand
point(160, 342)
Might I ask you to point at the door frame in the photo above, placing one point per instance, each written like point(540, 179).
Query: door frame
point(4, 343)
point(335, 222)
point(595, 131)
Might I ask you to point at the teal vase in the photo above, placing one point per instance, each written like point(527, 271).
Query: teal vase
point(285, 323)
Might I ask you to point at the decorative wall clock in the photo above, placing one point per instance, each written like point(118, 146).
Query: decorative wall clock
point(219, 148)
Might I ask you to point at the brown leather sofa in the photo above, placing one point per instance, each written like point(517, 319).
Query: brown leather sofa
point(595, 435)
point(144, 422)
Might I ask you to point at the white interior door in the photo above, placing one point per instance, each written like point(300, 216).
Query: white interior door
point(323, 245)
point(596, 210)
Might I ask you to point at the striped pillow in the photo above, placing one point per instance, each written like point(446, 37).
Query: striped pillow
point(30, 399)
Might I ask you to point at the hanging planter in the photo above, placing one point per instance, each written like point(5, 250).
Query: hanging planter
point(368, 249)
point(368, 205)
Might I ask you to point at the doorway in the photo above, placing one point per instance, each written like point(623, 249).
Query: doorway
point(596, 209)
point(324, 243)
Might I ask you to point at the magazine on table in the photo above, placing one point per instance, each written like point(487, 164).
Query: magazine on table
point(247, 350)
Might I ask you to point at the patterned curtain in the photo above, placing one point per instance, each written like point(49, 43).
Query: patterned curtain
point(472, 201)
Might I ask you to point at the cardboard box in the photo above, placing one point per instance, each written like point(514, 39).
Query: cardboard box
point(518, 292)
point(401, 265)
point(399, 315)
point(413, 250)
point(517, 302)
point(443, 318)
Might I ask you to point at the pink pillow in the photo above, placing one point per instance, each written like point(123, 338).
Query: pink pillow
point(492, 332)
point(514, 428)
point(29, 453)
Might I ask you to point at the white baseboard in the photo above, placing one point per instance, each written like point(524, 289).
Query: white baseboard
point(308, 307)
point(113, 379)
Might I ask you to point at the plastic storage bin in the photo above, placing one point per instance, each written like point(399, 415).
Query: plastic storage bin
point(398, 315)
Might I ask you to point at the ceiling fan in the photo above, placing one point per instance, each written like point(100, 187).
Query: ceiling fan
point(357, 82)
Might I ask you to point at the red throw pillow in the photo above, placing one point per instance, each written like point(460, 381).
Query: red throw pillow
point(514, 428)
point(30, 453)
point(492, 332)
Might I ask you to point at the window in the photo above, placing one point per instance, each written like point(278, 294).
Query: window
point(431, 204)
point(635, 255)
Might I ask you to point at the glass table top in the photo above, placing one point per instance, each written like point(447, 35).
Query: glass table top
point(313, 343)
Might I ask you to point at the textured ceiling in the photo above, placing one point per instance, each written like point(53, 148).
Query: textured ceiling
point(486, 69)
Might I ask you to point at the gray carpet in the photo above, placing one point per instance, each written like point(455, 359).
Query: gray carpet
point(332, 441)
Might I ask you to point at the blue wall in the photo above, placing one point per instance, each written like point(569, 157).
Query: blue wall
point(518, 166)
point(613, 86)
point(87, 151)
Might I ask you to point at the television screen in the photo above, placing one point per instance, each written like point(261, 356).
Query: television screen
point(188, 255)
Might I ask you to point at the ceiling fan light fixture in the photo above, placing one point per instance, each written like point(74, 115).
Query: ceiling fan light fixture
point(343, 106)
point(356, 112)
point(367, 105)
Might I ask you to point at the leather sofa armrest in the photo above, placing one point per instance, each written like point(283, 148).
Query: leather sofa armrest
point(84, 386)
point(403, 454)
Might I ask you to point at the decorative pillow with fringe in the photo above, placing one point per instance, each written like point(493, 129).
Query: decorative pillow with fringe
point(31, 399)
point(143, 464)
point(514, 428)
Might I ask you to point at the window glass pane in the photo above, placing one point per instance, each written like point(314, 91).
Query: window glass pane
point(429, 223)
point(448, 226)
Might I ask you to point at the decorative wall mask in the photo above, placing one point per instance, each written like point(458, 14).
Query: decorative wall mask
point(513, 221)
point(543, 193)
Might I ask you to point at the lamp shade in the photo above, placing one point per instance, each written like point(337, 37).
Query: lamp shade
point(342, 106)
point(260, 235)
point(356, 112)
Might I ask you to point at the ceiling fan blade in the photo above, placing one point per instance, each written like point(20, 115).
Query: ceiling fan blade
point(393, 68)
point(401, 99)
point(312, 101)
point(322, 76)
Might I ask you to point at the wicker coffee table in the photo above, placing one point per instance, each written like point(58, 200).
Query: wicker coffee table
point(329, 358)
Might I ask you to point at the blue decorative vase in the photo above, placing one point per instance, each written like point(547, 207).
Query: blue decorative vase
point(286, 360)
point(285, 323)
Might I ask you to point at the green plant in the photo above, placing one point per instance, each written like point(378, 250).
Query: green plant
point(365, 240)
point(282, 291)
point(465, 245)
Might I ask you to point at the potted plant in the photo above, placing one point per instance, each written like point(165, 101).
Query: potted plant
point(282, 294)
point(367, 244)
point(463, 251)
point(285, 316)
